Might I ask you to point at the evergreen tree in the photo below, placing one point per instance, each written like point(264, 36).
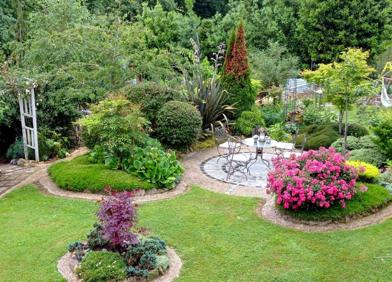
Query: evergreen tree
point(236, 73)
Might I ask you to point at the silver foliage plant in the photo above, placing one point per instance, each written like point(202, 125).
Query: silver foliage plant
point(205, 92)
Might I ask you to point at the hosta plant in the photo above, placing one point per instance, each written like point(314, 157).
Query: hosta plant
point(315, 179)
point(155, 165)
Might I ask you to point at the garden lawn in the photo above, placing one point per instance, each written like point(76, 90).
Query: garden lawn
point(80, 175)
point(219, 237)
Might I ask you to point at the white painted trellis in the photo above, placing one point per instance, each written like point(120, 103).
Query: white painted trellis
point(28, 113)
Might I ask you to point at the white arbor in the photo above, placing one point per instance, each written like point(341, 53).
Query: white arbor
point(28, 117)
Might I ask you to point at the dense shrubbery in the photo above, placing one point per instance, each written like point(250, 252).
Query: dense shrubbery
point(383, 131)
point(326, 134)
point(151, 97)
point(367, 172)
point(272, 114)
point(204, 90)
point(116, 129)
point(113, 251)
point(318, 136)
point(362, 149)
point(386, 179)
point(369, 155)
point(277, 133)
point(248, 120)
point(15, 150)
point(316, 179)
point(317, 115)
point(355, 129)
point(102, 266)
point(178, 124)
point(51, 144)
point(352, 144)
point(116, 125)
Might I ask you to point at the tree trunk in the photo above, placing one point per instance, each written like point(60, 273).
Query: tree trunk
point(345, 128)
point(340, 122)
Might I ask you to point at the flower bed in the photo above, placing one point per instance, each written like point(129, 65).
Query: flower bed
point(314, 180)
point(115, 250)
point(362, 204)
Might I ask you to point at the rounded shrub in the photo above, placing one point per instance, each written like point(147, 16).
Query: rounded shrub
point(248, 120)
point(151, 97)
point(369, 155)
point(383, 131)
point(315, 179)
point(352, 144)
point(178, 124)
point(318, 136)
point(367, 172)
point(366, 142)
point(102, 266)
point(357, 130)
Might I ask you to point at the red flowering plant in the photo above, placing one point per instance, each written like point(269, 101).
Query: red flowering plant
point(117, 215)
point(315, 179)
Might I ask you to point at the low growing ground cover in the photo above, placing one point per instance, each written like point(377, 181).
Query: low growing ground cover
point(219, 238)
point(79, 175)
point(361, 204)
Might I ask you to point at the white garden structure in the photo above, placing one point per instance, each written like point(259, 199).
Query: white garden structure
point(28, 118)
point(386, 82)
point(386, 101)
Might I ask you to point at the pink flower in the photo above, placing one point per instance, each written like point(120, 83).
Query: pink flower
point(363, 188)
point(316, 178)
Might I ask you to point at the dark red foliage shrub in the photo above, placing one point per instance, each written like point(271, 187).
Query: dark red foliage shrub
point(236, 62)
point(117, 215)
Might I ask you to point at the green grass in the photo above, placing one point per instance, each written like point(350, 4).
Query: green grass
point(80, 175)
point(362, 204)
point(219, 238)
point(35, 232)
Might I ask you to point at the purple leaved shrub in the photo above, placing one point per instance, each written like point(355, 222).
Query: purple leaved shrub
point(117, 215)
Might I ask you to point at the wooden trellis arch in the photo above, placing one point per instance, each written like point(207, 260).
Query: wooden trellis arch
point(28, 118)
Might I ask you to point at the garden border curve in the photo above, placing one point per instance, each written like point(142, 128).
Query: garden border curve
point(66, 266)
point(268, 212)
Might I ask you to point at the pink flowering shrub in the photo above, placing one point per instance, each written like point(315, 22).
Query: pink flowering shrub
point(316, 179)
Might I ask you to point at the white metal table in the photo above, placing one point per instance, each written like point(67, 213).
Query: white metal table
point(259, 146)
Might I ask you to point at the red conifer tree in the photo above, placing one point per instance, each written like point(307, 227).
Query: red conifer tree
point(236, 62)
point(236, 74)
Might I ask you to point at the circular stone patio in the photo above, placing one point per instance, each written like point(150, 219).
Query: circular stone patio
point(216, 167)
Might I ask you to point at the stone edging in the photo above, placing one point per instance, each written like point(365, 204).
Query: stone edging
point(48, 185)
point(67, 264)
point(42, 170)
point(269, 212)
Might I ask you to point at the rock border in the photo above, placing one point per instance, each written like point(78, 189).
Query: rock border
point(47, 184)
point(67, 264)
point(268, 212)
